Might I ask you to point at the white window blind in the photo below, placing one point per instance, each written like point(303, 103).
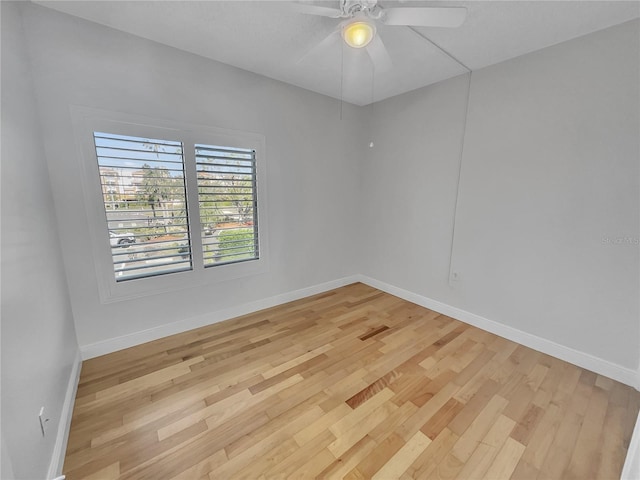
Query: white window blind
point(144, 196)
point(227, 203)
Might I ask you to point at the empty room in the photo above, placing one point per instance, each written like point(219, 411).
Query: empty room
point(320, 239)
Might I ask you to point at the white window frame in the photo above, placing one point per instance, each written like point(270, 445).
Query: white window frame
point(89, 120)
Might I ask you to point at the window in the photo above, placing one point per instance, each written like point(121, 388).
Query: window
point(145, 202)
point(227, 201)
point(169, 206)
point(144, 196)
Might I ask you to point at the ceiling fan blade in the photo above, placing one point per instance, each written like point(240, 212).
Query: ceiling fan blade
point(379, 54)
point(320, 47)
point(425, 16)
point(315, 10)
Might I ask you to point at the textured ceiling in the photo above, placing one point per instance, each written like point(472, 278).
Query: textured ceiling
point(271, 39)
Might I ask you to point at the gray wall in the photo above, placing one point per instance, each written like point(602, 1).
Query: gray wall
point(550, 171)
point(38, 337)
point(312, 175)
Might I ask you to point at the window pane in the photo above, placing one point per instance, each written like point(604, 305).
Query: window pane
point(228, 204)
point(143, 191)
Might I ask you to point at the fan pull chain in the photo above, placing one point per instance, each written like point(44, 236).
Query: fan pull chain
point(341, 79)
point(373, 96)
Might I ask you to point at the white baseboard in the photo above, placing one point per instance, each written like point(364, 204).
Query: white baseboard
point(137, 338)
point(64, 424)
point(598, 365)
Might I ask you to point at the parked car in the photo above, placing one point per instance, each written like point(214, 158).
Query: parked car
point(184, 251)
point(121, 239)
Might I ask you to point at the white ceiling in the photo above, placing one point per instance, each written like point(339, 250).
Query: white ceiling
point(271, 39)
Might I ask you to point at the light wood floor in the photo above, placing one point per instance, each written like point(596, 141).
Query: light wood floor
point(352, 383)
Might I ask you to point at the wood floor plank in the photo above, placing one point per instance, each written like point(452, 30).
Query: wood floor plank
point(371, 389)
point(378, 457)
point(542, 437)
point(426, 462)
point(314, 429)
point(441, 418)
point(524, 471)
point(586, 454)
point(474, 434)
point(562, 446)
point(507, 459)
point(612, 450)
point(356, 425)
point(487, 450)
point(351, 383)
point(404, 457)
point(349, 459)
point(251, 449)
point(526, 426)
point(299, 456)
point(108, 473)
point(202, 469)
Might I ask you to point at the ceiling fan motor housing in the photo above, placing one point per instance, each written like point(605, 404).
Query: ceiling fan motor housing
point(351, 8)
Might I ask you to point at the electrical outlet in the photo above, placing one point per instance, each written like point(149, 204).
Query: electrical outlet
point(454, 277)
point(43, 421)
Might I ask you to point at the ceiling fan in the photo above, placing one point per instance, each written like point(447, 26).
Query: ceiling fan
point(358, 27)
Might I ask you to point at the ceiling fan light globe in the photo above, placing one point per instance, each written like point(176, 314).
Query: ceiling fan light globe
point(358, 34)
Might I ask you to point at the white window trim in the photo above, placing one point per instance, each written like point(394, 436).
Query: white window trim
point(88, 120)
